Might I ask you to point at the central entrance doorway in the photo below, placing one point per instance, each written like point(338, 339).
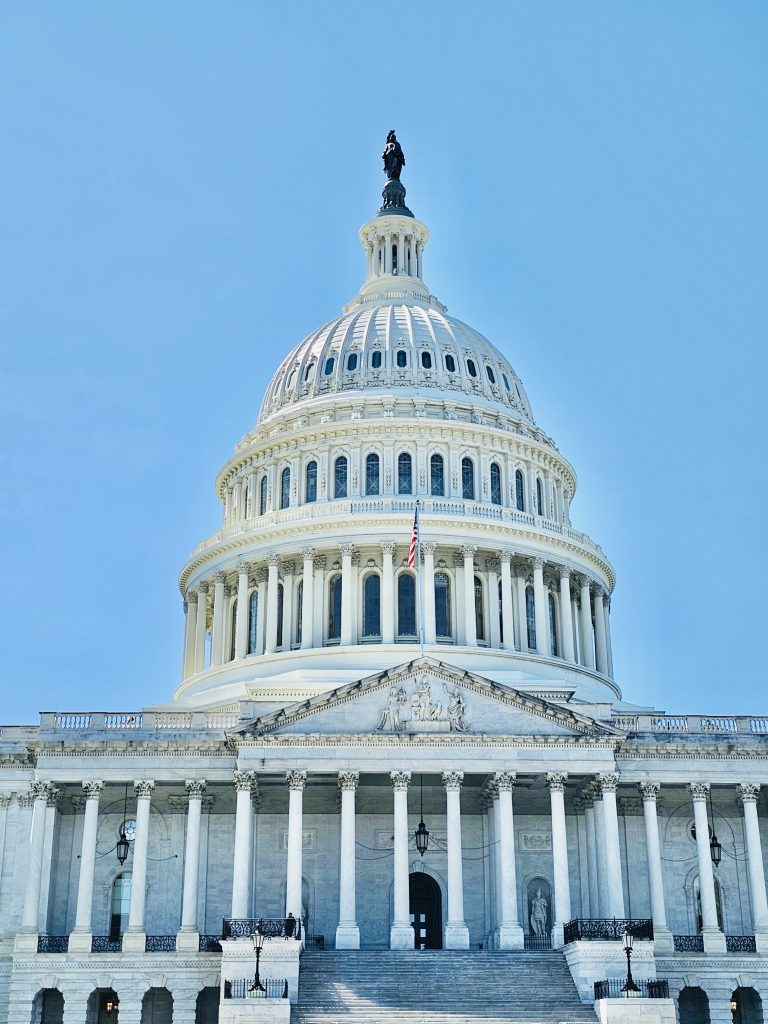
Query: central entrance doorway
point(426, 910)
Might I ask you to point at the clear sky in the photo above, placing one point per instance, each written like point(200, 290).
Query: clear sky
point(181, 187)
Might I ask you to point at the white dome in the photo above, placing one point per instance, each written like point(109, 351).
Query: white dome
point(412, 348)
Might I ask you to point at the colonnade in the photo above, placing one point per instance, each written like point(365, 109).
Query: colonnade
point(498, 599)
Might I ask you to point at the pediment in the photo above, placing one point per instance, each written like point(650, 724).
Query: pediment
point(427, 698)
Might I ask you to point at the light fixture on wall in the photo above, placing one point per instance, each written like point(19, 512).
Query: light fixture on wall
point(122, 843)
point(421, 834)
point(715, 848)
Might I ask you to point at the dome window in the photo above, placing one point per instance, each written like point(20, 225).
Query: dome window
point(376, 361)
point(471, 368)
point(372, 474)
point(352, 361)
point(539, 496)
point(519, 491)
point(442, 605)
point(263, 496)
point(309, 373)
point(404, 474)
point(495, 483)
point(468, 479)
point(402, 359)
point(491, 374)
point(506, 381)
point(340, 477)
point(426, 360)
point(311, 481)
point(406, 605)
point(334, 608)
point(285, 488)
point(450, 364)
point(253, 623)
point(437, 476)
point(530, 618)
point(330, 362)
point(479, 610)
point(372, 606)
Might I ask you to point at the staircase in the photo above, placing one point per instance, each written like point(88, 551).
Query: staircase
point(437, 987)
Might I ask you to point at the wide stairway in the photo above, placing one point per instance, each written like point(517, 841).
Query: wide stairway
point(440, 987)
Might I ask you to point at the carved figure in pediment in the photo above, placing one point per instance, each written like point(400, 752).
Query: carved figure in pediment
point(456, 711)
point(390, 716)
point(421, 701)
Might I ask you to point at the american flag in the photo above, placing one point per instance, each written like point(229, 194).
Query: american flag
point(414, 541)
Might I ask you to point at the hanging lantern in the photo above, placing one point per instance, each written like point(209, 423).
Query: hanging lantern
point(715, 850)
point(422, 838)
point(122, 847)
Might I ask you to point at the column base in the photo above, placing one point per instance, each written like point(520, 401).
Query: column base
point(25, 942)
point(347, 936)
point(456, 936)
point(401, 936)
point(663, 942)
point(511, 937)
point(558, 939)
point(188, 940)
point(80, 942)
point(134, 942)
point(714, 941)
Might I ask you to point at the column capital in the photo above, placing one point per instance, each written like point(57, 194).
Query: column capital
point(346, 550)
point(504, 782)
point(202, 588)
point(195, 788)
point(296, 779)
point(143, 789)
point(5, 801)
point(537, 563)
point(608, 782)
point(308, 554)
point(596, 588)
point(54, 797)
point(699, 791)
point(400, 779)
point(506, 556)
point(468, 551)
point(244, 781)
point(428, 547)
point(261, 575)
point(492, 564)
point(748, 792)
point(273, 559)
point(349, 780)
point(387, 547)
point(39, 790)
point(452, 781)
point(649, 790)
point(556, 781)
point(92, 789)
point(564, 571)
point(582, 579)
point(191, 597)
point(220, 576)
point(243, 568)
point(289, 568)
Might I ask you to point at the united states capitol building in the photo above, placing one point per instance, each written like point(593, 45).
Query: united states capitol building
point(418, 771)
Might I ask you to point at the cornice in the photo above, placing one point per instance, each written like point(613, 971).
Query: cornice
point(420, 740)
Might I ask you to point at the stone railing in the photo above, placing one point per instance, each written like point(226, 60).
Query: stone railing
point(696, 724)
point(135, 721)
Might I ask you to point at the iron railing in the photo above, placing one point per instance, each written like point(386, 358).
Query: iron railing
point(160, 944)
point(244, 988)
point(537, 942)
point(688, 943)
point(314, 941)
point(740, 944)
point(596, 928)
point(210, 944)
point(52, 943)
point(271, 928)
point(652, 988)
point(104, 944)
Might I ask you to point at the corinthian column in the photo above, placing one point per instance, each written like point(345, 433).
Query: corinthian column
point(241, 619)
point(540, 603)
point(273, 561)
point(608, 783)
point(470, 623)
point(714, 940)
point(510, 932)
point(347, 595)
point(748, 794)
point(294, 871)
point(188, 938)
point(566, 618)
point(219, 619)
point(507, 616)
point(556, 782)
point(456, 931)
point(601, 640)
point(201, 626)
point(190, 603)
point(428, 551)
point(347, 932)
point(585, 624)
point(401, 934)
point(80, 939)
point(307, 598)
point(134, 938)
point(387, 593)
point(39, 792)
point(245, 784)
point(661, 934)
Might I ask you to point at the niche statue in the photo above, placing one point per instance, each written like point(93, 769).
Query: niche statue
point(539, 908)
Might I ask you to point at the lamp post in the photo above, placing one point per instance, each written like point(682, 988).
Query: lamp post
point(629, 987)
point(258, 944)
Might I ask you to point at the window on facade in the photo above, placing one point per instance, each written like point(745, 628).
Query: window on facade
point(372, 474)
point(530, 616)
point(340, 477)
point(330, 362)
point(253, 622)
point(437, 476)
point(299, 610)
point(553, 644)
point(468, 479)
point(352, 361)
point(442, 605)
point(490, 374)
point(479, 610)
point(471, 368)
point(406, 605)
point(697, 904)
point(519, 491)
point(120, 905)
point(280, 602)
point(404, 474)
point(232, 630)
point(506, 381)
point(311, 481)
point(450, 364)
point(539, 496)
point(309, 373)
point(263, 496)
point(376, 360)
point(495, 483)
point(402, 358)
point(285, 488)
point(372, 605)
point(426, 360)
point(334, 608)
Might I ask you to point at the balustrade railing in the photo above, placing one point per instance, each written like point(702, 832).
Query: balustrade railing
point(688, 943)
point(314, 941)
point(612, 929)
point(160, 944)
point(650, 988)
point(52, 943)
point(740, 944)
point(210, 944)
point(537, 942)
point(271, 928)
point(245, 988)
point(105, 944)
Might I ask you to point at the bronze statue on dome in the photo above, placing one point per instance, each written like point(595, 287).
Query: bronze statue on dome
point(393, 157)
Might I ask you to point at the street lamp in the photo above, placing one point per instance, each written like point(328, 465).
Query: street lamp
point(629, 987)
point(258, 944)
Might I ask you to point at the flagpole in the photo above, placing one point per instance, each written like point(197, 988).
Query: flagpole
point(421, 579)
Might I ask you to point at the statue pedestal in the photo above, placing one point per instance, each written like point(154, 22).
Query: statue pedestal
point(393, 195)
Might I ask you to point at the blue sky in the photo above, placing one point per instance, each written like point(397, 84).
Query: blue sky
point(182, 185)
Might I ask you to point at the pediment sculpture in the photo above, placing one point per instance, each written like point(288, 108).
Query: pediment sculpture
point(418, 712)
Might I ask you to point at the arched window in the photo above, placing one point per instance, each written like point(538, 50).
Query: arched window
point(468, 479)
point(372, 474)
point(490, 374)
point(263, 496)
point(404, 473)
point(310, 482)
point(376, 360)
point(450, 364)
point(330, 362)
point(437, 476)
point(232, 630)
point(443, 605)
point(309, 373)
point(352, 361)
point(426, 360)
point(479, 609)
point(285, 488)
point(401, 358)
point(245, 501)
point(340, 477)
point(120, 905)
point(693, 1006)
point(519, 491)
point(471, 368)
point(553, 638)
point(253, 622)
point(697, 904)
point(406, 605)
point(506, 381)
point(334, 608)
point(530, 616)
point(372, 605)
point(299, 610)
point(280, 602)
point(539, 497)
point(495, 483)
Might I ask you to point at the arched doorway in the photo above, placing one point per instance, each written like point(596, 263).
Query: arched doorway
point(746, 1006)
point(157, 1007)
point(693, 1006)
point(102, 1007)
point(426, 910)
point(48, 1007)
point(207, 1007)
